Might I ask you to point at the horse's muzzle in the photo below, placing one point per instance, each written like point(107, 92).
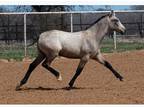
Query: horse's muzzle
point(123, 32)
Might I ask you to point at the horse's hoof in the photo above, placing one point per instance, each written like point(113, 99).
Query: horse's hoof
point(69, 88)
point(59, 78)
point(121, 78)
point(18, 87)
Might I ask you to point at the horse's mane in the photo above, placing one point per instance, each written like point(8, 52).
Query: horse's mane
point(97, 21)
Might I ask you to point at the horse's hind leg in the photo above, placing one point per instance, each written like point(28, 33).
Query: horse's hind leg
point(46, 64)
point(32, 66)
point(101, 60)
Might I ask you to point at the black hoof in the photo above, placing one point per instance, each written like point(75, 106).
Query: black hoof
point(121, 78)
point(70, 84)
point(18, 87)
point(69, 88)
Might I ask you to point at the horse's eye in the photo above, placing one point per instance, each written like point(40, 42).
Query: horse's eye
point(115, 20)
point(116, 23)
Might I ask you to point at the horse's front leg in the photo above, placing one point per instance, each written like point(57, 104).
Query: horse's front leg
point(80, 67)
point(102, 60)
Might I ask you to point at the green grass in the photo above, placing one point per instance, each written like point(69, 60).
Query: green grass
point(17, 52)
point(108, 47)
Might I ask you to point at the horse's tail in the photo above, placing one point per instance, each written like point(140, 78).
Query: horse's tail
point(34, 41)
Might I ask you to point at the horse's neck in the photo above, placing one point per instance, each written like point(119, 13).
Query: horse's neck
point(99, 30)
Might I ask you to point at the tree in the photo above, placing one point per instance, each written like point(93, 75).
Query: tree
point(2, 9)
point(48, 8)
point(21, 8)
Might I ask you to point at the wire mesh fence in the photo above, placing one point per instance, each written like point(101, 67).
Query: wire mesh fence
point(17, 30)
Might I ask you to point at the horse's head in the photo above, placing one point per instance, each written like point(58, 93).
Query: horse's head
point(115, 23)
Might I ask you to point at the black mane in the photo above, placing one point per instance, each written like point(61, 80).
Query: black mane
point(97, 21)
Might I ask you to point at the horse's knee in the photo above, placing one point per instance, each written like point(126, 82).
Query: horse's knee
point(100, 59)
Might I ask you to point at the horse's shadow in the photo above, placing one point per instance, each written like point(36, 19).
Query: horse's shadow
point(53, 89)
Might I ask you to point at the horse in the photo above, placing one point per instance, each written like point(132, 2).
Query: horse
point(83, 45)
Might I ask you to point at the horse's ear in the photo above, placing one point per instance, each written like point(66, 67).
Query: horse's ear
point(111, 13)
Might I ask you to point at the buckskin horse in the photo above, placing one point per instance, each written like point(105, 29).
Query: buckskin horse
point(83, 45)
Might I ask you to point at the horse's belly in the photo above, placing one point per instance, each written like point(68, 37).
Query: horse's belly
point(70, 54)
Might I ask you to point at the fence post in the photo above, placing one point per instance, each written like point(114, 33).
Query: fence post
point(114, 38)
point(115, 42)
point(8, 31)
point(25, 40)
point(16, 31)
point(71, 22)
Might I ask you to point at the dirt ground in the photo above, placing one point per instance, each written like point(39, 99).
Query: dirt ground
point(96, 84)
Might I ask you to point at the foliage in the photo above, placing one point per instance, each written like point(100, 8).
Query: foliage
point(137, 7)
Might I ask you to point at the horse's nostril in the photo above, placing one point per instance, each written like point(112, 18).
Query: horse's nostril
point(121, 32)
point(124, 31)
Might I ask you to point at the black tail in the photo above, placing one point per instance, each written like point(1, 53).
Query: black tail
point(34, 41)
